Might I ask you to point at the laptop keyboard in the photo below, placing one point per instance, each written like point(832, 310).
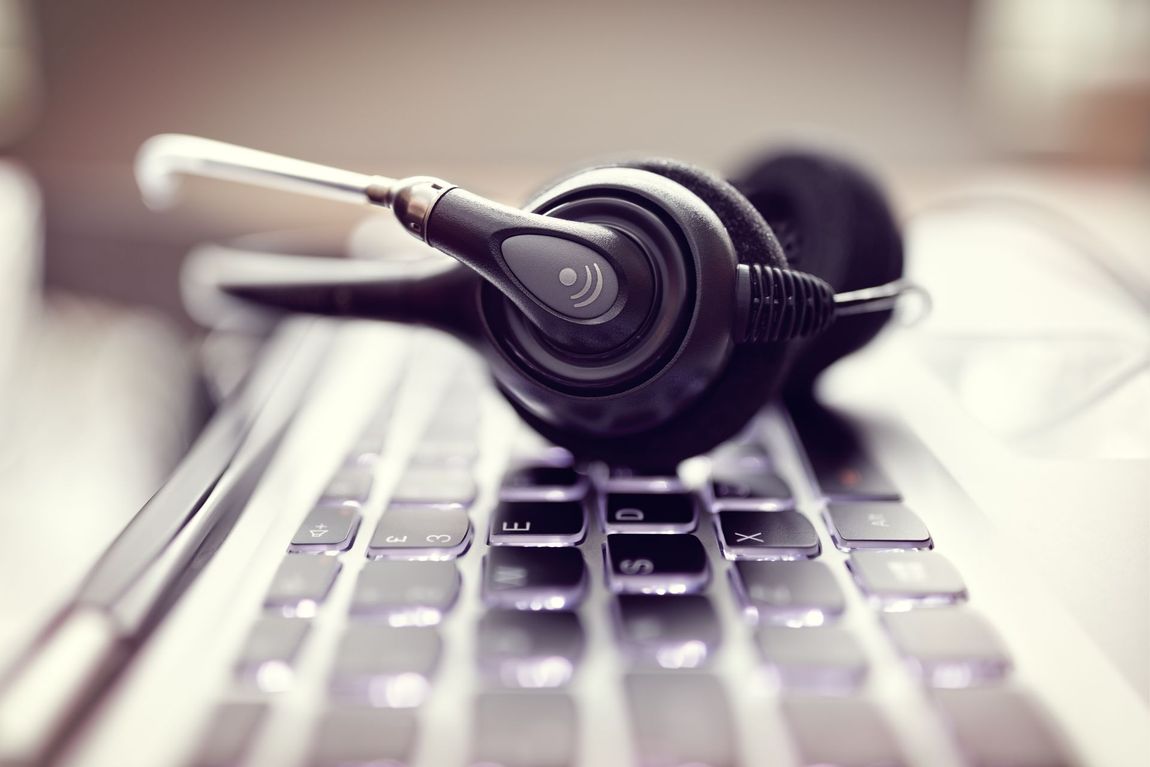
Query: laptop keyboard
point(741, 557)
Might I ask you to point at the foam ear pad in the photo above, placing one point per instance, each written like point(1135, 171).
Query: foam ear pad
point(753, 374)
point(835, 223)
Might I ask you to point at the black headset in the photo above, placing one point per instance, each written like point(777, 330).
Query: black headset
point(639, 313)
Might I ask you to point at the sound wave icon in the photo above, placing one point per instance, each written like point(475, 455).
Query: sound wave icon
point(597, 281)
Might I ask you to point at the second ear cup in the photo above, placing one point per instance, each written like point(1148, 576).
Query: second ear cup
point(835, 223)
point(753, 373)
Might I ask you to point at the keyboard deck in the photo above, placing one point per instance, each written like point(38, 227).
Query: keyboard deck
point(471, 596)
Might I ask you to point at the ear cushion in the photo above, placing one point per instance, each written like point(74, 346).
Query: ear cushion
point(753, 374)
point(834, 222)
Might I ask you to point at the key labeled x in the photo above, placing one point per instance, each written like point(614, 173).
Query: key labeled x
point(748, 537)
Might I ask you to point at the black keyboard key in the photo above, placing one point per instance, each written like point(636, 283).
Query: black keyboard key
point(445, 488)
point(800, 593)
point(537, 481)
point(949, 647)
point(825, 659)
point(420, 533)
point(351, 484)
point(406, 593)
point(896, 580)
point(656, 564)
point(228, 738)
point(743, 477)
point(534, 578)
point(268, 655)
point(301, 583)
point(525, 729)
point(358, 736)
point(875, 525)
point(767, 535)
point(680, 719)
point(671, 632)
point(521, 648)
point(538, 523)
point(842, 468)
point(622, 479)
point(997, 727)
point(326, 528)
point(845, 732)
point(385, 666)
point(650, 513)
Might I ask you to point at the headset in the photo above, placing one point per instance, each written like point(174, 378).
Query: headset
point(639, 313)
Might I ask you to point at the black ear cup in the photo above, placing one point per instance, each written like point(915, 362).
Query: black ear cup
point(752, 374)
point(835, 223)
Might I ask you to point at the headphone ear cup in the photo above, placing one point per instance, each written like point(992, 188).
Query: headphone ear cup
point(835, 223)
point(753, 374)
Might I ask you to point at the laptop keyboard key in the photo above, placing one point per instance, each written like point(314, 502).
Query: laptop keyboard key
point(767, 535)
point(876, 526)
point(534, 578)
point(532, 482)
point(358, 736)
point(680, 719)
point(820, 659)
point(525, 729)
point(949, 647)
point(447, 488)
point(656, 564)
point(843, 470)
point(351, 484)
point(326, 528)
point(538, 523)
point(650, 513)
point(269, 652)
point(385, 666)
point(743, 477)
point(896, 580)
point(672, 632)
point(406, 593)
point(845, 732)
point(230, 733)
point(800, 593)
point(530, 649)
point(301, 583)
point(420, 533)
point(997, 727)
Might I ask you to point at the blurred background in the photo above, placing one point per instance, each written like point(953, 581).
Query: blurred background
point(1049, 99)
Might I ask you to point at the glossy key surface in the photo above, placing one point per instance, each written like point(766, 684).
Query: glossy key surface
point(229, 734)
point(896, 580)
point(540, 481)
point(534, 578)
point(680, 719)
point(268, 654)
point(405, 593)
point(767, 535)
point(799, 593)
point(840, 731)
point(521, 648)
point(361, 736)
point(874, 525)
point(650, 512)
point(301, 583)
point(420, 532)
point(671, 632)
point(656, 564)
point(326, 528)
point(950, 646)
point(817, 658)
point(538, 523)
point(385, 666)
point(525, 729)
